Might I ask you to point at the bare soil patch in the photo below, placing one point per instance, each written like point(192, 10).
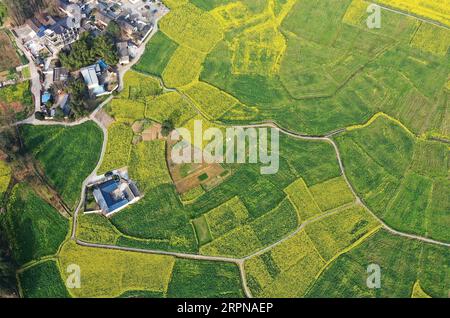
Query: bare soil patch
point(104, 118)
point(188, 176)
point(14, 107)
point(9, 57)
point(152, 133)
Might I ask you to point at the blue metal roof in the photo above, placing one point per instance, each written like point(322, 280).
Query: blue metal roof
point(106, 190)
point(46, 97)
point(102, 65)
point(41, 31)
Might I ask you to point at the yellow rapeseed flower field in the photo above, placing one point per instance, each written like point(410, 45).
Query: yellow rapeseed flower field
point(302, 199)
point(110, 273)
point(183, 68)
point(211, 101)
point(190, 26)
point(118, 147)
point(431, 38)
point(5, 176)
point(437, 10)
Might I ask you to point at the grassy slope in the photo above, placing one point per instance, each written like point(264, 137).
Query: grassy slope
point(34, 229)
point(402, 262)
point(67, 155)
point(43, 280)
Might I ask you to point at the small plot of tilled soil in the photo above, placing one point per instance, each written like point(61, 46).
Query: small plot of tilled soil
point(189, 176)
point(104, 118)
point(152, 133)
point(9, 58)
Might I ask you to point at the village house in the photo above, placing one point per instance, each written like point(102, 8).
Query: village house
point(124, 54)
point(99, 80)
point(91, 78)
point(65, 31)
point(113, 192)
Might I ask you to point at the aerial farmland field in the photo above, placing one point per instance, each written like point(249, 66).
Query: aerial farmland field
point(254, 149)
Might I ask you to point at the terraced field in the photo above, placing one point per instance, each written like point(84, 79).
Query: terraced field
point(403, 179)
point(364, 159)
point(33, 227)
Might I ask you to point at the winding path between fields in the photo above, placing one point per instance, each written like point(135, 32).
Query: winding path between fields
point(269, 124)
point(327, 138)
point(34, 75)
point(240, 261)
point(408, 14)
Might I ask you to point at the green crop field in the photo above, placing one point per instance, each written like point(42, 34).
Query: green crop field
point(159, 217)
point(95, 228)
point(290, 268)
point(34, 229)
point(157, 55)
point(43, 280)
point(396, 174)
point(333, 234)
point(302, 199)
point(401, 262)
point(138, 86)
point(363, 178)
point(67, 155)
point(226, 217)
point(203, 279)
point(285, 271)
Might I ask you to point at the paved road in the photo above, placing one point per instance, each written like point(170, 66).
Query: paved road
point(341, 166)
point(35, 79)
point(139, 52)
point(239, 261)
point(417, 17)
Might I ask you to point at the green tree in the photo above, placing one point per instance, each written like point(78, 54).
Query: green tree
point(78, 95)
point(114, 31)
point(3, 13)
point(88, 50)
point(167, 127)
point(105, 48)
point(21, 10)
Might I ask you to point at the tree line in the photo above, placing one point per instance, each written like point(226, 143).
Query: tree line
point(21, 10)
point(88, 50)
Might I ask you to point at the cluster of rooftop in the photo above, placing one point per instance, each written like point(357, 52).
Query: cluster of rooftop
point(45, 35)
